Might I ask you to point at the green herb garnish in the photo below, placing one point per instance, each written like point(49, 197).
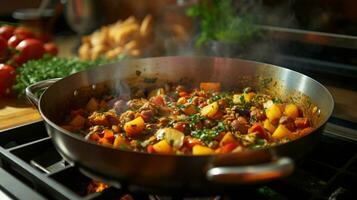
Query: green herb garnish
point(50, 67)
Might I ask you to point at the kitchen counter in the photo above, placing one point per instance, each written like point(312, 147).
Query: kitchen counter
point(15, 112)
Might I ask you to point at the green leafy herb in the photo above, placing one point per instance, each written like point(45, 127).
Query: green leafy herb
point(51, 67)
point(207, 135)
point(277, 100)
point(219, 22)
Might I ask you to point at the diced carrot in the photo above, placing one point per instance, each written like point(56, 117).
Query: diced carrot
point(210, 86)
point(301, 122)
point(134, 127)
point(226, 148)
point(94, 137)
point(150, 149)
point(190, 110)
point(256, 128)
point(259, 131)
point(108, 134)
point(306, 131)
point(183, 94)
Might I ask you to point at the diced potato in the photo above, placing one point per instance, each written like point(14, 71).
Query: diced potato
point(227, 138)
point(190, 110)
point(163, 147)
point(248, 96)
point(210, 110)
point(172, 136)
point(134, 127)
point(237, 98)
point(292, 111)
point(201, 150)
point(119, 142)
point(181, 101)
point(92, 105)
point(268, 126)
point(273, 113)
point(281, 132)
point(210, 86)
point(78, 121)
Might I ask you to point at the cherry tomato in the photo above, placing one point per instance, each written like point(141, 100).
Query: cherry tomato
point(7, 79)
point(3, 48)
point(29, 49)
point(24, 32)
point(6, 31)
point(51, 48)
point(14, 40)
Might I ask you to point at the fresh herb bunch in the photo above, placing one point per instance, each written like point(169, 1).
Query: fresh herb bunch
point(219, 21)
point(51, 67)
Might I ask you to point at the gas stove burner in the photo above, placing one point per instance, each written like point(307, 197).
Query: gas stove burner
point(31, 168)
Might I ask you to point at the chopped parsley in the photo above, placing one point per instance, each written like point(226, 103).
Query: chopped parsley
point(207, 135)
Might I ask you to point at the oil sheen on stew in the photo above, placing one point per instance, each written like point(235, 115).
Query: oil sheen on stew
point(199, 121)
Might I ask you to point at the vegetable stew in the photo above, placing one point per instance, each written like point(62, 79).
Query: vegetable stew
point(199, 121)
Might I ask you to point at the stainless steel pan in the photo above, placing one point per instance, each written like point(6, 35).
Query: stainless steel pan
point(190, 173)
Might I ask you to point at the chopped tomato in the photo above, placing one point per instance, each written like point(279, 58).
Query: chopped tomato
point(158, 100)
point(190, 142)
point(226, 148)
point(150, 148)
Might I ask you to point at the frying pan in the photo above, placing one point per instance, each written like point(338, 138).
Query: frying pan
point(191, 173)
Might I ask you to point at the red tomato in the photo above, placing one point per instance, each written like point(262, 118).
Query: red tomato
point(158, 100)
point(6, 31)
point(3, 48)
point(14, 40)
point(51, 48)
point(29, 49)
point(7, 79)
point(25, 32)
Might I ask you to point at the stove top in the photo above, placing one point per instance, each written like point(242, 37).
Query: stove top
point(31, 168)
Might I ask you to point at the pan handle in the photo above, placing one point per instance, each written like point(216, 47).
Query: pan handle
point(32, 89)
point(252, 173)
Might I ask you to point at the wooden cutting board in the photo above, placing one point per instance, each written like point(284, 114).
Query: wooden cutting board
point(15, 112)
